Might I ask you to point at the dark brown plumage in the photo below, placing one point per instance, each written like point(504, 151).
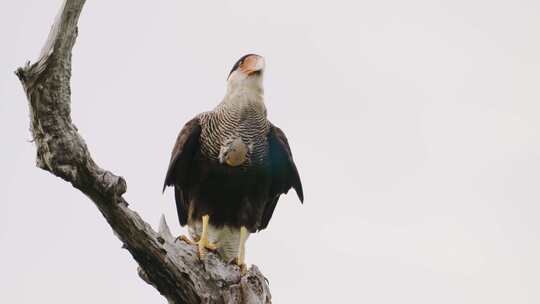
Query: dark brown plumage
point(234, 196)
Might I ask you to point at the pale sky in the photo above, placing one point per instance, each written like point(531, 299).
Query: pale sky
point(414, 124)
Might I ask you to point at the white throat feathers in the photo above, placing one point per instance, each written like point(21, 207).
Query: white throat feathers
point(244, 90)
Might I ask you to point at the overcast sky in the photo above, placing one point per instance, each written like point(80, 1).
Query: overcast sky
point(414, 124)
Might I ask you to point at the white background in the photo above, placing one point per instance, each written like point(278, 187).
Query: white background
point(414, 124)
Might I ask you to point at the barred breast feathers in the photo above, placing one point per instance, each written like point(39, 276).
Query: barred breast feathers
point(241, 114)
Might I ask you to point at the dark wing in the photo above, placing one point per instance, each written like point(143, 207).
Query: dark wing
point(284, 173)
point(182, 154)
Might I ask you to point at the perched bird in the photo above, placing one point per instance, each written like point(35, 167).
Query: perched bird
point(230, 165)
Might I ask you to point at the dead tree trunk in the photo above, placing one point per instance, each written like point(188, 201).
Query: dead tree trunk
point(171, 266)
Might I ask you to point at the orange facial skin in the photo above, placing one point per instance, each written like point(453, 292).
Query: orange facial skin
point(249, 65)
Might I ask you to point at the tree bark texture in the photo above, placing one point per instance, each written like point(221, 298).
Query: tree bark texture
point(171, 266)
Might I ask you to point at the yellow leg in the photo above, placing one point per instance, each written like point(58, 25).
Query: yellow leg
point(203, 243)
point(240, 260)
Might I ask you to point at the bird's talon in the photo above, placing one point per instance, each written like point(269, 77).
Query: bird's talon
point(241, 265)
point(186, 239)
point(243, 269)
point(203, 245)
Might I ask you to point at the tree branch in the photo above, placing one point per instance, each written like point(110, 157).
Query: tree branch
point(171, 266)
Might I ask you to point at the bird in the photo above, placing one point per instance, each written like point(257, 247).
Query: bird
point(229, 167)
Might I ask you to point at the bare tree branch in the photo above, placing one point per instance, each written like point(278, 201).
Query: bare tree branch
point(171, 266)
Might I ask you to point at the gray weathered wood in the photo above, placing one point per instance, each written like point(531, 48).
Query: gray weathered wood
point(171, 266)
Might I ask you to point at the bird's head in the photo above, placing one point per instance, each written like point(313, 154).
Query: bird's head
point(247, 71)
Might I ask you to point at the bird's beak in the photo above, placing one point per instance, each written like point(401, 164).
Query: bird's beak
point(253, 64)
